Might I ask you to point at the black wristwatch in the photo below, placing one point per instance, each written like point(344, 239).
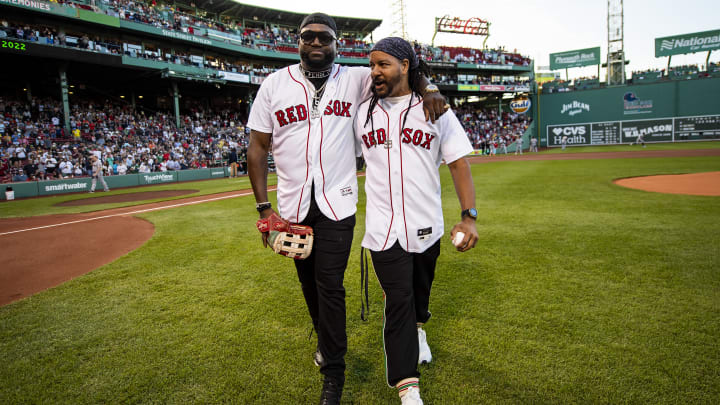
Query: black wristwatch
point(260, 207)
point(470, 212)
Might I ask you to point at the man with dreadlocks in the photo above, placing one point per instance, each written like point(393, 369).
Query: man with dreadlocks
point(305, 112)
point(404, 218)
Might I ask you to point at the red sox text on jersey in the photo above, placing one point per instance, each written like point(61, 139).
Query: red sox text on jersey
point(415, 137)
point(312, 150)
point(402, 182)
point(299, 113)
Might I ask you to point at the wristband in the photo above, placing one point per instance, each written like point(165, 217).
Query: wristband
point(260, 207)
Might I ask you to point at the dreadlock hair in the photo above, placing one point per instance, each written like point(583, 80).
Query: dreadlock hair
point(415, 76)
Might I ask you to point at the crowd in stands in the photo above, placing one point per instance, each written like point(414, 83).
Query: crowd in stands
point(469, 55)
point(713, 68)
point(50, 35)
point(648, 72)
point(453, 78)
point(580, 83)
point(34, 145)
point(489, 130)
point(282, 39)
point(684, 72)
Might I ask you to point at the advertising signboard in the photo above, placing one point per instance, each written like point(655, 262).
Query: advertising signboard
point(687, 43)
point(651, 130)
point(575, 134)
point(576, 58)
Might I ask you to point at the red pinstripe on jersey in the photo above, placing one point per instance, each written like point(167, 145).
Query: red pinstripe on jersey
point(307, 145)
point(322, 133)
point(402, 179)
point(392, 211)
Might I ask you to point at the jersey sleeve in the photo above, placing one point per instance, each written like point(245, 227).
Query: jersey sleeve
point(361, 76)
point(260, 115)
point(455, 143)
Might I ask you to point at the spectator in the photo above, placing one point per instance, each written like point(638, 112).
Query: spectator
point(66, 168)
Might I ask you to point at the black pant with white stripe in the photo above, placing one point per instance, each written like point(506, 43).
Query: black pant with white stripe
point(406, 279)
point(321, 277)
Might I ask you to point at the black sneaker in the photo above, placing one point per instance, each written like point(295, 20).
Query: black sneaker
point(331, 392)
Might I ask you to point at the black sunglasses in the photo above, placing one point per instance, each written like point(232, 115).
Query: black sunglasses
point(325, 37)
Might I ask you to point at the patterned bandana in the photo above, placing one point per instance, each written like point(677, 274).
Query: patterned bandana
point(398, 48)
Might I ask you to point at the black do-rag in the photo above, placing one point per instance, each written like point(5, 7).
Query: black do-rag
point(319, 18)
point(399, 48)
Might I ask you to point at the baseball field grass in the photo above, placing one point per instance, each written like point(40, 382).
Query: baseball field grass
point(632, 148)
point(46, 205)
point(580, 291)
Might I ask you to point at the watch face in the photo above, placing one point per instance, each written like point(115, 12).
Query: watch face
point(473, 212)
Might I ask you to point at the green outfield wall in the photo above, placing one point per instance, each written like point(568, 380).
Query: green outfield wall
point(672, 111)
point(21, 190)
point(82, 184)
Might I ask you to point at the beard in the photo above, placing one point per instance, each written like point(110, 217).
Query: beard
point(315, 63)
point(385, 87)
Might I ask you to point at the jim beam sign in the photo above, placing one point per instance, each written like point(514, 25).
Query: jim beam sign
point(687, 43)
point(576, 58)
point(574, 107)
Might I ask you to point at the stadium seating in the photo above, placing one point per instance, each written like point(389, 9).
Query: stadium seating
point(586, 83)
point(648, 76)
point(683, 72)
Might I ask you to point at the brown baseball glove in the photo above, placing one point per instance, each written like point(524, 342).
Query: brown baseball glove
point(291, 240)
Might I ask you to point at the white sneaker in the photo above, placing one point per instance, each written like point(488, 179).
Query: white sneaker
point(412, 397)
point(318, 358)
point(424, 356)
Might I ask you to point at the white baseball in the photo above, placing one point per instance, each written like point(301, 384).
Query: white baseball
point(459, 236)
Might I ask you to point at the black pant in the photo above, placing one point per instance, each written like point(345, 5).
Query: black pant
point(321, 277)
point(406, 279)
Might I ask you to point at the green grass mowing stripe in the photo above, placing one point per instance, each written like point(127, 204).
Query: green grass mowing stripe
point(580, 291)
point(634, 148)
point(45, 205)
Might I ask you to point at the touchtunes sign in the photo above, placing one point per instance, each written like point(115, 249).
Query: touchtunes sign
point(687, 43)
point(158, 178)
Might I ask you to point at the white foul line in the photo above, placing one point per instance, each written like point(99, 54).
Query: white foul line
point(129, 213)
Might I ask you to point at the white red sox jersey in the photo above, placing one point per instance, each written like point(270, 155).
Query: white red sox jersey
point(309, 148)
point(402, 181)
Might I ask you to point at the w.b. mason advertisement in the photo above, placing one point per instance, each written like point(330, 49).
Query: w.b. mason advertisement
point(651, 130)
point(594, 117)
